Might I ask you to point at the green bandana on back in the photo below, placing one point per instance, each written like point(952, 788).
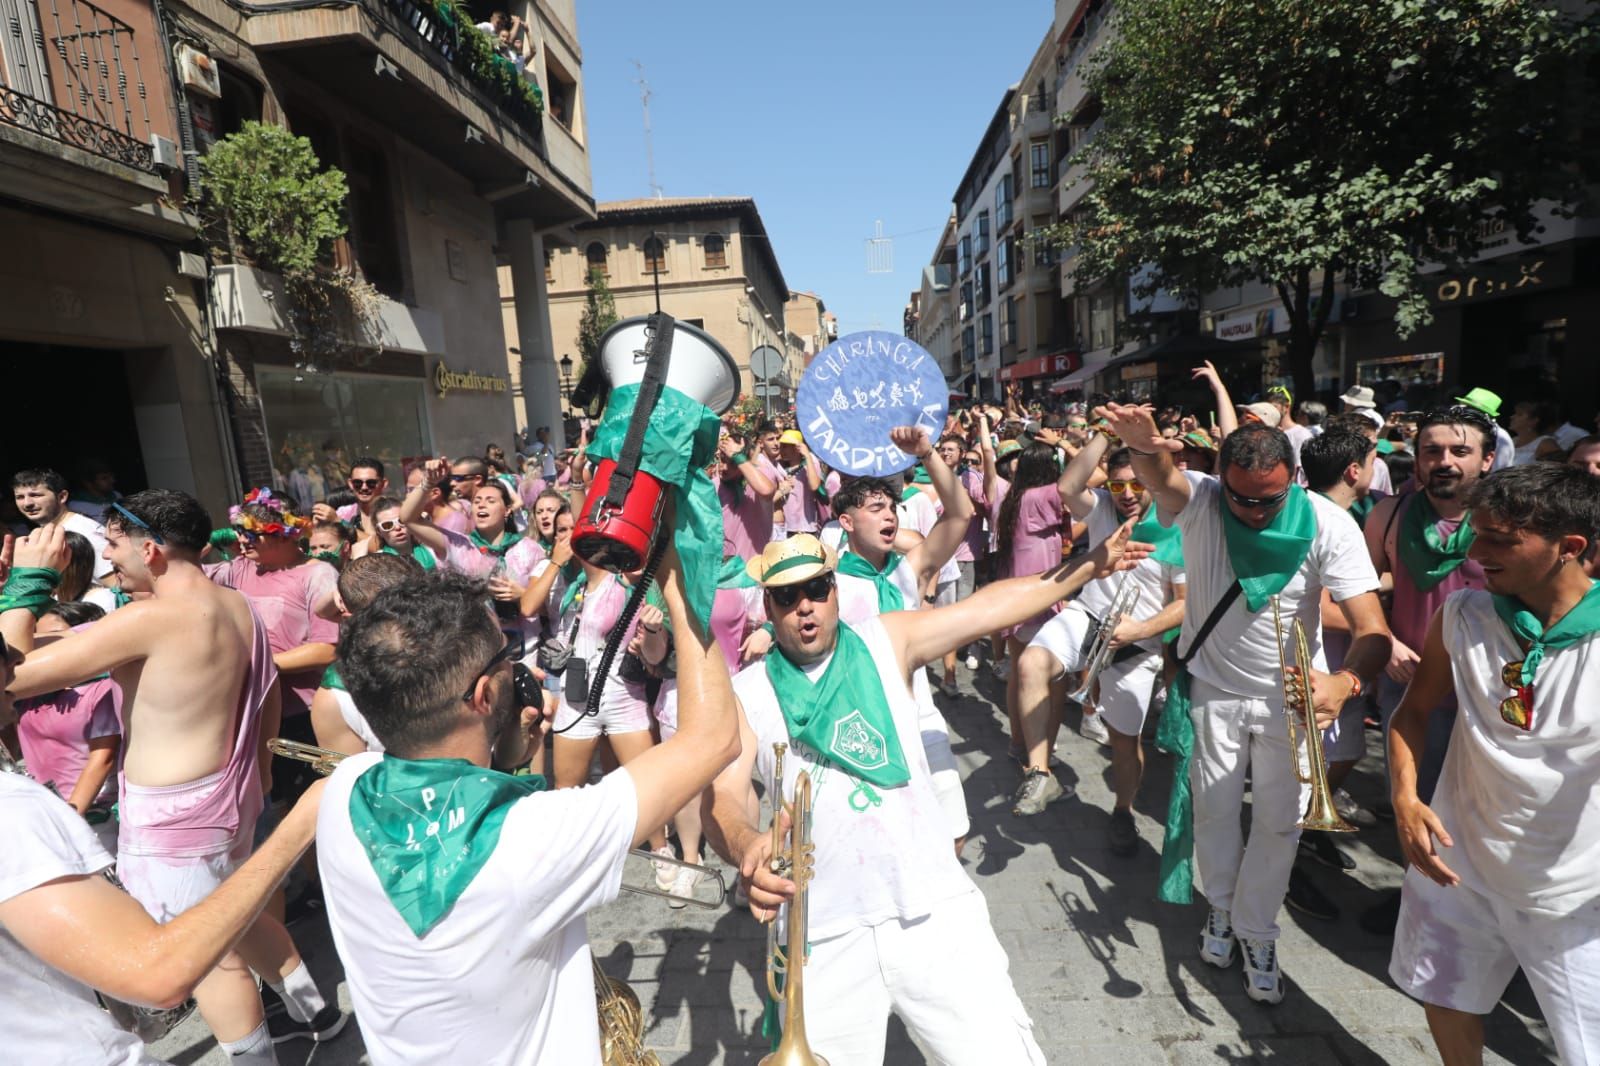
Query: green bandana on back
point(843, 716)
point(890, 598)
point(1264, 560)
point(423, 556)
point(1168, 540)
point(505, 543)
point(428, 826)
point(1430, 558)
point(1582, 620)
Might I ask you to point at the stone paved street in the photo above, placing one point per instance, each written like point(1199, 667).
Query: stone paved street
point(1108, 974)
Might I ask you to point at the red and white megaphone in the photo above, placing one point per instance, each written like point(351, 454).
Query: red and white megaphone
point(622, 512)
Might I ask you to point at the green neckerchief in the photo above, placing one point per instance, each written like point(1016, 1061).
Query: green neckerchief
point(121, 598)
point(1361, 508)
point(1168, 540)
point(422, 555)
point(575, 590)
point(1264, 560)
point(428, 826)
point(1175, 735)
point(1430, 558)
point(890, 598)
point(733, 575)
point(331, 678)
point(843, 716)
point(547, 545)
point(1582, 620)
point(333, 559)
point(908, 492)
point(504, 543)
point(29, 588)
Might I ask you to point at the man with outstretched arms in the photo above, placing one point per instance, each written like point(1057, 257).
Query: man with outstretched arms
point(1129, 677)
point(1505, 858)
point(200, 698)
point(1253, 542)
point(895, 922)
point(457, 893)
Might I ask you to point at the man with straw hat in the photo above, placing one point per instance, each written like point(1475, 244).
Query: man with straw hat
point(895, 922)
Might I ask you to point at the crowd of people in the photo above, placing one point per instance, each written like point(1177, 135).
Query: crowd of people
point(510, 721)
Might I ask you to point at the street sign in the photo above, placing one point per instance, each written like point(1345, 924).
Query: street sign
point(766, 362)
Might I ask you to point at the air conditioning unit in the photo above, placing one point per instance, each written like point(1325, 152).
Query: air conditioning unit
point(164, 152)
point(197, 72)
point(192, 265)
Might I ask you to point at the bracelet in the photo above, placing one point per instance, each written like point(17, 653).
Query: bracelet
point(739, 458)
point(1355, 680)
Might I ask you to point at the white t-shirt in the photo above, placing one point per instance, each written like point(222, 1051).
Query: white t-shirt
point(48, 1016)
point(858, 596)
point(355, 720)
point(505, 977)
point(1152, 579)
point(1381, 481)
point(1567, 434)
point(1505, 449)
point(1241, 654)
point(96, 535)
point(893, 860)
point(921, 513)
point(1522, 805)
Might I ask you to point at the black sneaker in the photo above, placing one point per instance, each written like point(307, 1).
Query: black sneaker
point(328, 1024)
point(1321, 848)
point(1121, 835)
point(1381, 918)
point(1308, 899)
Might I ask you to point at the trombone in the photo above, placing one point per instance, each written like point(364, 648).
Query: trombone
point(1123, 602)
point(797, 863)
point(1320, 815)
point(325, 761)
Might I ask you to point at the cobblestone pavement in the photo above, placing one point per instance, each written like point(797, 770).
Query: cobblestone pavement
point(1108, 974)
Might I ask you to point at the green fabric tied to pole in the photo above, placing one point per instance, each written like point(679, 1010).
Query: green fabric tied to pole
point(1175, 734)
point(29, 588)
point(678, 445)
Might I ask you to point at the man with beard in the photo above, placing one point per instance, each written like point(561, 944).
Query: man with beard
point(1061, 647)
point(41, 496)
point(367, 482)
point(1420, 539)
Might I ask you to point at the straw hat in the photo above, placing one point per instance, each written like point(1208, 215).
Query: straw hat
point(791, 562)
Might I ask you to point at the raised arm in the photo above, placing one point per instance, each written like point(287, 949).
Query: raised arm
point(1152, 454)
point(1227, 417)
point(732, 448)
point(991, 472)
point(1073, 484)
point(413, 509)
point(947, 533)
point(537, 594)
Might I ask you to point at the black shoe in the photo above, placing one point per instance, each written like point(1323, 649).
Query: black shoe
point(308, 904)
point(1381, 918)
point(1321, 848)
point(328, 1024)
point(1308, 899)
point(1121, 835)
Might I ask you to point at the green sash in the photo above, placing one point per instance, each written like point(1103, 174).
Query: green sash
point(428, 826)
point(29, 588)
point(1576, 624)
point(1264, 560)
point(890, 598)
point(1361, 508)
point(575, 589)
point(843, 716)
point(1430, 558)
point(422, 555)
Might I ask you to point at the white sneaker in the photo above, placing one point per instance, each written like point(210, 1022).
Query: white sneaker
point(1002, 668)
point(1093, 727)
point(1262, 981)
point(972, 662)
point(683, 888)
point(1351, 811)
point(1216, 939)
point(666, 872)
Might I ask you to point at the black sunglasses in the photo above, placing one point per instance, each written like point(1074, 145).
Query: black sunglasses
point(816, 590)
point(511, 649)
point(365, 482)
point(1253, 502)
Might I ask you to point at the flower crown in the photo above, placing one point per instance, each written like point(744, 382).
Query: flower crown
point(288, 524)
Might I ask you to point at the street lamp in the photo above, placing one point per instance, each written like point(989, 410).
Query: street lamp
point(566, 377)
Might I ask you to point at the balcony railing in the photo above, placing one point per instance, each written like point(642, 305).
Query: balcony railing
point(446, 27)
point(70, 72)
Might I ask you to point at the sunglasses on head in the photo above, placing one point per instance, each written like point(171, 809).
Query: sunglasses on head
point(1516, 710)
point(817, 590)
point(1117, 488)
point(1253, 502)
point(369, 483)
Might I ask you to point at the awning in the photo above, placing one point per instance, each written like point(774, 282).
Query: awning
point(1054, 363)
point(958, 385)
point(1185, 347)
point(1076, 380)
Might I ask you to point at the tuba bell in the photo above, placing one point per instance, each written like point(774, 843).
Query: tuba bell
point(1321, 815)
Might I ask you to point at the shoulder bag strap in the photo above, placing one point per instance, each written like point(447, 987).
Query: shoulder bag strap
point(1211, 621)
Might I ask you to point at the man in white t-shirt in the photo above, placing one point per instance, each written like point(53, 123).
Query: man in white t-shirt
point(1252, 529)
point(457, 894)
point(894, 922)
point(41, 496)
point(1505, 861)
point(338, 724)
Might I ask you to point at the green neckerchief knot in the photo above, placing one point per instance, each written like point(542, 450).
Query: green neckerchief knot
point(499, 546)
point(733, 575)
point(575, 590)
point(1168, 540)
point(423, 556)
point(428, 826)
point(1430, 558)
point(331, 678)
point(843, 716)
point(890, 598)
point(1265, 560)
point(680, 442)
point(1576, 624)
point(29, 588)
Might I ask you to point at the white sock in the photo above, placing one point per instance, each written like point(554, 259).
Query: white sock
point(254, 1049)
point(299, 993)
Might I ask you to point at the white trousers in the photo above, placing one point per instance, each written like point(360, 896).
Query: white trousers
point(1235, 736)
point(944, 974)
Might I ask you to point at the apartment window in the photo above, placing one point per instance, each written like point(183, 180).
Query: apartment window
point(1008, 321)
point(968, 345)
point(986, 335)
point(716, 250)
point(561, 96)
point(655, 256)
point(373, 235)
point(964, 256)
point(966, 300)
point(1002, 204)
point(1002, 262)
point(595, 257)
point(980, 285)
point(1039, 164)
point(981, 245)
point(549, 265)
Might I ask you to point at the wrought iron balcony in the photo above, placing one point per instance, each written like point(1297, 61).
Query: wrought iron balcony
point(70, 72)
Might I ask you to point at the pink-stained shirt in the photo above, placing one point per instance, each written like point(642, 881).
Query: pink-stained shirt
point(55, 730)
point(1001, 487)
point(455, 520)
point(521, 560)
point(801, 513)
point(734, 613)
point(976, 542)
point(1036, 538)
point(746, 518)
point(1412, 609)
point(285, 601)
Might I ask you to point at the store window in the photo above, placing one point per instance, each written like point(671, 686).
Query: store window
point(317, 423)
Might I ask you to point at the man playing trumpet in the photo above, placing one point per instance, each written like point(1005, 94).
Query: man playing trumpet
point(895, 923)
point(1249, 535)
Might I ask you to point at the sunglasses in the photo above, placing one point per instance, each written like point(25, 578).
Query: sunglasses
point(1254, 502)
point(391, 525)
point(526, 686)
point(1516, 710)
point(246, 536)
point(368, 483)
point(139, 522)
point(817, 590)
point(1117, 488)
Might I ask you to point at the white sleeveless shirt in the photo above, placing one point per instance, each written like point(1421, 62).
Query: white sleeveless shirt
point(892, 860)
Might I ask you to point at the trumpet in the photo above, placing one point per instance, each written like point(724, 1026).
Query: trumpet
point(1123, 601)
point(325, 761)
point(795, 862)
point(1320, 815)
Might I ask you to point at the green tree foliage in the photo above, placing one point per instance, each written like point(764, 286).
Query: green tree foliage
point(278, 207)
point(599, 315)
point(1298, 142)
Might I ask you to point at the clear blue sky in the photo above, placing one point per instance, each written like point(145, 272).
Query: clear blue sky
point(830, 114)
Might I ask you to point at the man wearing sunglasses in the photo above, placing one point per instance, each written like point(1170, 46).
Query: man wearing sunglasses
point(367, 482)
point(1505, 857)
point(1062, 645)
point(895, 923)
point(1251, 537)
point(456, 893)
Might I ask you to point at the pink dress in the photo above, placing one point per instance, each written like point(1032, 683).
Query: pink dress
point(1035, 544)
point(284, 600)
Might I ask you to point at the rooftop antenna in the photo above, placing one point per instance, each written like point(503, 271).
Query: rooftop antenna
point(649, 146)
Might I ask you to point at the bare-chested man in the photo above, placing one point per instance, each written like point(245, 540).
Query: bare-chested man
point(200, 696)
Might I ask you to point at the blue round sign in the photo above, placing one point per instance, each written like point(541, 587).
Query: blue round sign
point(859, 388)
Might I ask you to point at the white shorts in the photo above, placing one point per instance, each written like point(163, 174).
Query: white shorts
point(1346, 739)
point(1125, 687)
point(1067, 637)
point(167, 886)
point(1459, 948)
point(622, 710)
